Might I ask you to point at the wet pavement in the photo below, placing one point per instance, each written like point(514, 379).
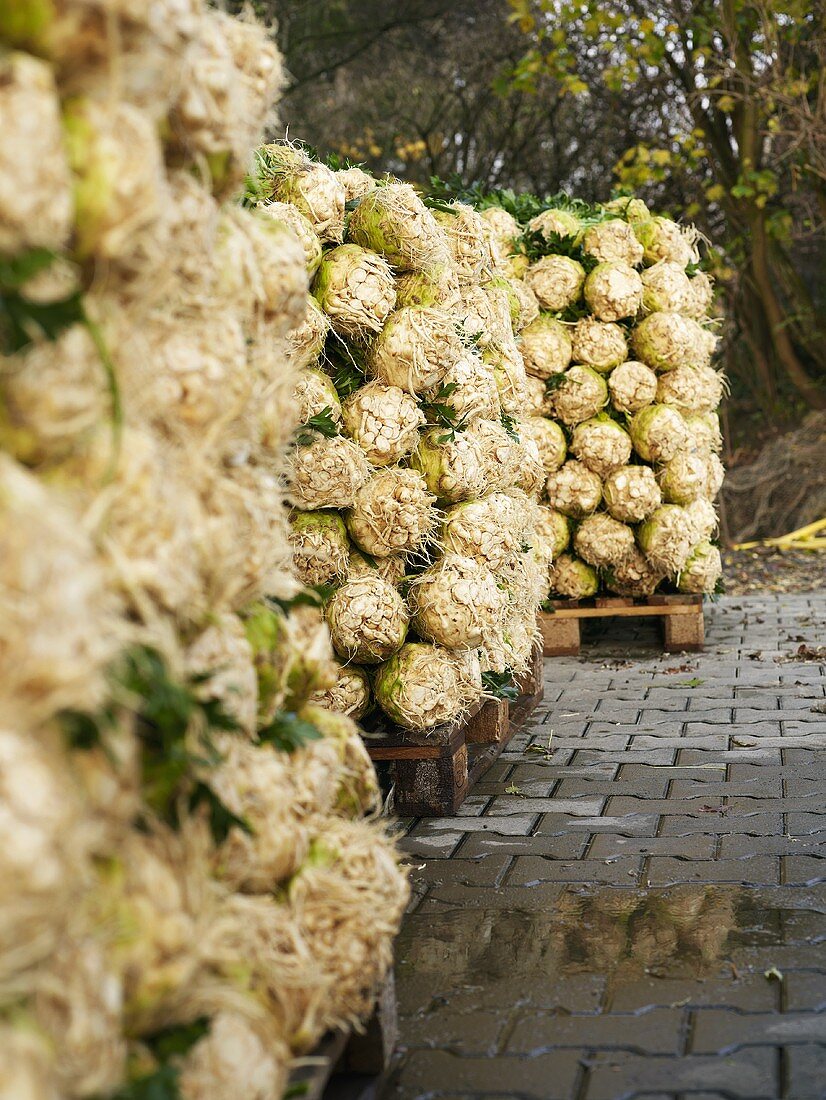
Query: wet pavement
point(632, 901)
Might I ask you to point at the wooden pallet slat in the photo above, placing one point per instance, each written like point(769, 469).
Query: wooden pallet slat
point(489, 725)
point(560, 636)
point(681, 618)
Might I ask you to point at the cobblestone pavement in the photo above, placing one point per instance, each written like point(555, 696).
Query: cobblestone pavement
point(632, 901)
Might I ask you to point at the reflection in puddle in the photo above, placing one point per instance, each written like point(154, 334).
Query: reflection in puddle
point(680, 932)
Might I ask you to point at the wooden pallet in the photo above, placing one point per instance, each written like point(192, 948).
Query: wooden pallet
point(681, 618)
point(349, 1065)
point(433, 772)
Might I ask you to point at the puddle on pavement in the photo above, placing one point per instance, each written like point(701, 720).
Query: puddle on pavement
point(485, 956)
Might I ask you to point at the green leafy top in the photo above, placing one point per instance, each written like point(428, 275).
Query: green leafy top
point(288, 732)
point(559, 378)
point(312, 595)
point(441, 415)
point(339, 163)
point(509, 424)
point(500, 685)
point(166, 712)
point(22, 322)
point(344, 364)
point(161, 1082)
point(523, 207)
point(320, 424)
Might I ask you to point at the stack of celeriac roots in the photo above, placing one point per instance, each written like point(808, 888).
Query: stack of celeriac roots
point(622, 387)
point(415, 478)
point(190, 891)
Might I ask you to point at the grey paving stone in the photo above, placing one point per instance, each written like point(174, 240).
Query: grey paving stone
point(540, 898)
point(610, 734)
point(803, 870)
point(801, 925)
point(738, 845)
point(701, 718)
point(648, 739)
point(499, 771)
point(751, 1075)
point(432, 845)
point(596, 769)
point(509, 825)
point(804, 991)
point(757, 958)
point(445, 1028)
point(662, 757)
point(602, 742)
point(487, 870)
point(769, 699)
point(807, 823)
point(652, 786)
point(530, 870)
point(632, 825)
point(721, 822)
point(473, 805)
point(566, 845)
point(744, 716)
point(615, 711)
point(746, 993)
point(695, 846)
point(756, 754)
point(800, 804)
point(663, 871)
point(544, 989)
point(805, 1075)
point(800, 786)
point(660, 1033)
point(516, 804)
point(709, 772)
point(711, 726)
point(690, 806)
point(768, 786)
point(666, 699)
point(438, 1073)
point(528, 789)
point(748, 771)
point(539, 768)
point(716, 1032)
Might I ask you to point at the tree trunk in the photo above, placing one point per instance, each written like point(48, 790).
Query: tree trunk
point(751, 322)
point(814, 397)
point(807, 325)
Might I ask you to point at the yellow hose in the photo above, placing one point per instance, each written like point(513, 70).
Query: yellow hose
point(801, 539)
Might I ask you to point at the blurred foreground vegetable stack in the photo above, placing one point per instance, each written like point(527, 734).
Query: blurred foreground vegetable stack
point(620, 376)
point(189, 893)
point(415, 479)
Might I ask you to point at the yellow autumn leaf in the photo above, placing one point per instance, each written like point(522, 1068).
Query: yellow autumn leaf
point(725, 103)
